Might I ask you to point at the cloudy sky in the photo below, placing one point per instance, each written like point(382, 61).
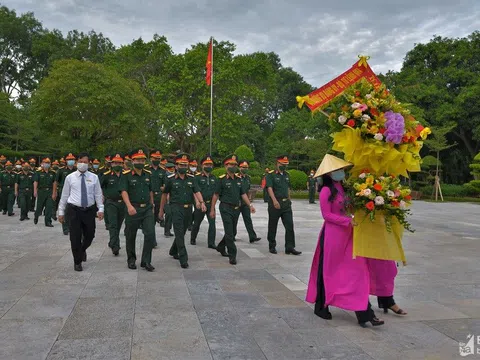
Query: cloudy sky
point(318, 39)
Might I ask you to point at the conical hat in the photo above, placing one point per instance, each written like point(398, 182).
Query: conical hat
point(331, 163)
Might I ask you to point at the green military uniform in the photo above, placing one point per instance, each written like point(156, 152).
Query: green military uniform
point(60, 180)
point(32, 163)
point(279, 182)
point(44, 180)
point(139, 188)
point(114, 206)
point(7, 182)
point(168, 223)
point(229, 190)
point(206, 184)
point(264, 186)
point(99, 172)
point(181, 193)
point(25, 191)
point(311, 188)
point(157, 176)
point(245, 209)
point(192, 171)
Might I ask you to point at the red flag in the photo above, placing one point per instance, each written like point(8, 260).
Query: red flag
point(209, 63)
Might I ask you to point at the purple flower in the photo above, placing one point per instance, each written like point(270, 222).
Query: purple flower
point(395, 126)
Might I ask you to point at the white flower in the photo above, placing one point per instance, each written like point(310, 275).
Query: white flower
point(367, 192)
point(403, 205)
point(362, 176)
point(379, 200)
point(368, 96)
point(390, 194)
point(382, 178)
point(365, 117)
point(378, 137)
point(342, 119)
point(356, 105)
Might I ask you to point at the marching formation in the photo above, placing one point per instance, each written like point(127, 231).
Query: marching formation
point(142, 189)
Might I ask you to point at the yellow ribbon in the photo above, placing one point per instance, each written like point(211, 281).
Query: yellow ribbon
point(301, 100)
point(363, 60)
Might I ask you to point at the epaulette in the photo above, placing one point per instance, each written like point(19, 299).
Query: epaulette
point(125, 172)
point(169, 176)
point(147, 171)
point(222, 176)
point(191, 175)
point(238, 176)
point(198, 173)
point(39, 168)
point(108, 172)
point(271, 171)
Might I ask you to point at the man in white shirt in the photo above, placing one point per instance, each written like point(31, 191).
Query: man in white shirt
point(81, 195)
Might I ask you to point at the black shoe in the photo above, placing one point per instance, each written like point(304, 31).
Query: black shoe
point(27, 218)
point(222, 252)
point(375, 322)
point(12, 214)
point(212, 247)
point(292, 252)
point(54, 218)
point(65, 232)
point(233, 262)
point(168, 234)
point(22, 219)
point(184, 266)
point(84, 256)
point(273, 251)
point(78, 267)
point(4, 213)
point(189, 228)
point(324, 313)
point(115, 252)
point(193, 242)
point(255, 240)
point(49, 225)
point(107, 227)
point(132, 266)
point(35, 221)
point(147, 267)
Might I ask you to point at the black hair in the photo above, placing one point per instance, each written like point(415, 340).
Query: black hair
point(83, 154)
point(328, 182)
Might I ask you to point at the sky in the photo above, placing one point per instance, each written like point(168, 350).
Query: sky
point(318, 39)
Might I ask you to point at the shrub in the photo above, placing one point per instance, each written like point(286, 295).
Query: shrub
point(430, 162)
point(244, 153)
point(298, 179)
point(256, 180)
point(219, 171)
point(448, 190)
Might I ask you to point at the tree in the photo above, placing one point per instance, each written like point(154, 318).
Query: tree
point(85, 106)
point(474, 185)
point(244, 153)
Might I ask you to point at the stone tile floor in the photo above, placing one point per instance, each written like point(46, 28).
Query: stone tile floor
point(254, 310)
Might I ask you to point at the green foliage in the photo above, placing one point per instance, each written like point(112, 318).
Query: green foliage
point(474, 185)
point(298, 179)
point(430, 162)
point(244, 153)
point(448, 190)
point(219, 171)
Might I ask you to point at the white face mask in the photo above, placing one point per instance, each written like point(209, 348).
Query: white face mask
point(18, 167)
point(82, 167)
point(193, 169)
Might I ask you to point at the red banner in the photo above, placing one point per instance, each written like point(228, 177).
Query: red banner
point(337, 86)
point(208, 78)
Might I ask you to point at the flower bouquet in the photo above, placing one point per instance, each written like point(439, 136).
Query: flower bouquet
point(375, 131)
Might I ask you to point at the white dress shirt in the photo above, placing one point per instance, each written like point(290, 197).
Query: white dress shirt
point(72, 191)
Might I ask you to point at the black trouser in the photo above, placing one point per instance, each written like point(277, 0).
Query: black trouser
point(197, 221)
point(247, 220)
point(362, 316)
point(311, 194)
point(385, 302)
point(24, 200)
point(286, 214)
point(82, 230)
point(181, 217)
point(229, 214)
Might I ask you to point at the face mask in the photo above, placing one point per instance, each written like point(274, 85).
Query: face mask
point(138, 166)
point(117, 168)
point(128, 164)
point(54, 167)
point(282, 168)
point(244, 171)
point(232, 169)
point(70, 162)
point(46, 166)
point(182, 170)
point(32, 165)
point(338, 175)
point(18, 167)
point(208, 169)
point(82, 167)
point(193, 169)
point(9, 168)
point(96, 166)
point(26, 168)
point(155, 162)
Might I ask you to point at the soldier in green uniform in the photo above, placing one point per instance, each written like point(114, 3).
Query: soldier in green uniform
point(311, 185)
point(24, 190)
point(43, 191)
point(114, 205)
point(33, 166)
point(136, 188)
point(167, 221)
point(192, 169)
point(207, 184)
point(244, 208)
point(230, 192)
point(3, 160)
point(158, 176)
point(7, 187)
point(183, 193)
point(127, 164)
point(96, 167)
point(280, 206)
point(58, 185)
point(264, 185)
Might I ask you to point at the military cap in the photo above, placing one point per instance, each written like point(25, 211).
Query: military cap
point(127, 157)
point(193, 162)
point(117, 158)
point(243, 163)
point(155, 153)
point(18, 162)
point(108, 158)
point(230, 159)
point(55, 162)
point(46, 159)
point(169, 165)
point(163, 161)
point(62, 160)
point(95, 161)
point(32, 160)
point(182, 158)
point(25, 163)
point(206, 160)
point(3, 158)
point(138, 154)
point(8, 163)
point(283, 159)
point(70, 156)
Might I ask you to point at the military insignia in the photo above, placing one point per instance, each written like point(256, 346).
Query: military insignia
point(221, 176)
point(234, 157)
point(285, 158)
point(184, 157)
point(147, 179)
point(140, 151)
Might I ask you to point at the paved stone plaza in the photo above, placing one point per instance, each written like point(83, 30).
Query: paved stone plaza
point(254, 310)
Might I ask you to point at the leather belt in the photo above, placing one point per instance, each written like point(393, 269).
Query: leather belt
point(282, 199)
point(139, 205)
point(119, 201)
point(7, 186)
point(82, 208)
point(43, 188)
point(208, 201)
point(234, 206)
point(186, 206)
point(26, 189)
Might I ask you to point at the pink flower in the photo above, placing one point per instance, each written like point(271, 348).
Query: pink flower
point(397, 193)
point(363, 107)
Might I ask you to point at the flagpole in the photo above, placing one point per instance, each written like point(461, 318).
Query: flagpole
point(211, 98)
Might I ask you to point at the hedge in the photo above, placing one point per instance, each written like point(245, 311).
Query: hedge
point(448, 190)
point(298, 179)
